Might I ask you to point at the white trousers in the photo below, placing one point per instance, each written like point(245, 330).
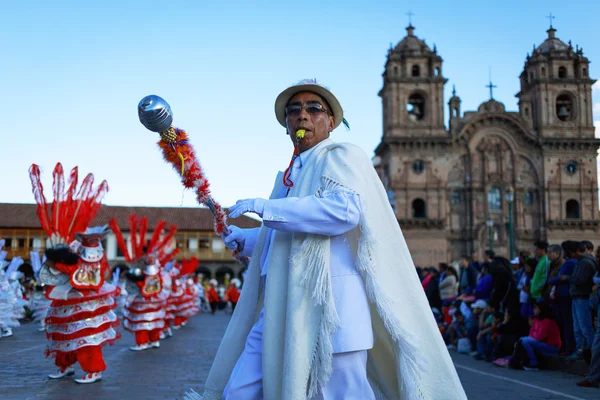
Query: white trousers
point(348, 380)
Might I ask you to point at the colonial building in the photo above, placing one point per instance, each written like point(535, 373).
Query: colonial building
point(460, 187)
point(20, 227)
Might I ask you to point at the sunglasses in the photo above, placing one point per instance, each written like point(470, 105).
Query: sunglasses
point(311, 109)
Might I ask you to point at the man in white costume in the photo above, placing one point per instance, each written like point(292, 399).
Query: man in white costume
point(332, 307)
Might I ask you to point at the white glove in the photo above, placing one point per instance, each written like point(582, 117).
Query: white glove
point(235, 239)
point(255, 206)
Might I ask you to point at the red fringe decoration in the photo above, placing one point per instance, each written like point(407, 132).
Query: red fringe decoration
point(193, 177)
point(52, 354)
point(155, 309)
point(87, 296)
point(80, 316)
point(82, 333)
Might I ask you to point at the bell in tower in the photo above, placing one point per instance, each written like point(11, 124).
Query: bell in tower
point(413, 89)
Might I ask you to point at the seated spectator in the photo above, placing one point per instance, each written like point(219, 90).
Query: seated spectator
point(456, 330)
point(487, 333)
point(543, 340)
point(509, 331)
point(477, 318)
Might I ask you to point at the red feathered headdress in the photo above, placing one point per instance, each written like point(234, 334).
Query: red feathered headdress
point(72, 210)
point(141, 248)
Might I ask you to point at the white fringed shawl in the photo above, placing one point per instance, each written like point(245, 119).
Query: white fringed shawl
point(409, 360)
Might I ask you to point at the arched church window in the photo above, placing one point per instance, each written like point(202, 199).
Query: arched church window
point(416, 107)
point(416, 71)
point(437, 71)
point(419, 209)
point(395, 70)
point(528, 200)
point(494, 199)
point(584, 71)
point(564, 107)
point(455, 112)
point(543, 72)
point(562, 72)
point(573, 209)
point(527, 111)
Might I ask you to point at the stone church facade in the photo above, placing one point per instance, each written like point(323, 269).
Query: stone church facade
point(451, 185)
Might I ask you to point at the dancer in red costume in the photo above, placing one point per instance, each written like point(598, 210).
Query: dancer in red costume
point(80, 319)
point(145, 308)
point(184, 291)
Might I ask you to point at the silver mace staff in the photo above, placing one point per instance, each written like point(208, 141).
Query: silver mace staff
point(156, 115)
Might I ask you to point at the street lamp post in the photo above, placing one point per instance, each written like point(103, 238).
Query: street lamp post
point(490, 224)
point(510, 197)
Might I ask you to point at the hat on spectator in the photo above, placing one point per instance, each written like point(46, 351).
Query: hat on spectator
point(479, 304)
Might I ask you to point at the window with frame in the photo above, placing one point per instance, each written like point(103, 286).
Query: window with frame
point(562, 72)
point(572, 208)
point(494, 199)
point(416, 71)
point(419, 208)
point(528, 199)
point(455, 197)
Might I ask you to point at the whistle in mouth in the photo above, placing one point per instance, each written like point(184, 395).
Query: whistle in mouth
point(300, 133)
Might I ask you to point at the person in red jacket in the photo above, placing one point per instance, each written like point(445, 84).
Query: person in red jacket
point(544, 336)
point(213, 297)
point(232, 294)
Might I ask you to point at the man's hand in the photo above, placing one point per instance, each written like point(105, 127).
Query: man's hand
point(235, 239)
point(255, 206)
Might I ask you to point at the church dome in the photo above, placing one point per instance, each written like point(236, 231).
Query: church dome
point(552, 44)
point(412, 45)
point(491, 106)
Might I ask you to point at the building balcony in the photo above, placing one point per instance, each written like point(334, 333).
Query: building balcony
point(573, 224)
point(426, 223)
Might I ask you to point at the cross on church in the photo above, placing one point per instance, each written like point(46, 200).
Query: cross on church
point(550, 18)
point(410, 15)
point(491, 86)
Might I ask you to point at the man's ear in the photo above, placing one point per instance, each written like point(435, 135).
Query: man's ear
point(331, 123)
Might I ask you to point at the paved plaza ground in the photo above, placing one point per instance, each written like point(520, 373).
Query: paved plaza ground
point(183, 362)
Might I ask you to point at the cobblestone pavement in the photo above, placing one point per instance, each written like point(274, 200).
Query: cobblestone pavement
point(183, 362)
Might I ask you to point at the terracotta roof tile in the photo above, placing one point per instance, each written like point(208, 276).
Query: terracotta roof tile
point(185, 218)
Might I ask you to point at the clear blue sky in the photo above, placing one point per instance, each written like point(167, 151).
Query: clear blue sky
point(73, 73)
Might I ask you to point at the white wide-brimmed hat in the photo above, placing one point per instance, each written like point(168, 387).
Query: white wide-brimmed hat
point(308, 85)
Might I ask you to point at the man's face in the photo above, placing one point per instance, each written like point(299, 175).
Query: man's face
point(553, 256)
point(317, 125)
point(464, 263)
point(540, 253)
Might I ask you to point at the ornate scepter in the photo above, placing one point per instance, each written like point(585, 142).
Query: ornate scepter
point(155, 114)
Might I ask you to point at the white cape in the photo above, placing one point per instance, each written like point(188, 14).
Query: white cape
point(409, 360)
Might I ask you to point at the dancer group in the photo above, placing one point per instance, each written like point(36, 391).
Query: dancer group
point(73, 301)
